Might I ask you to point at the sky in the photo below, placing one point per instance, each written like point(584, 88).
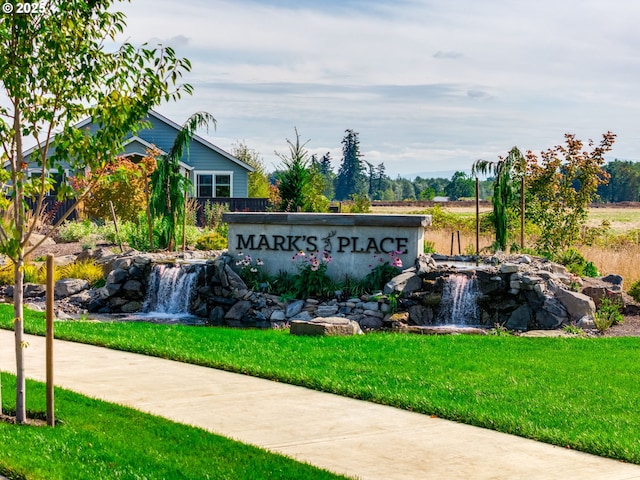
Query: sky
point(429, 85)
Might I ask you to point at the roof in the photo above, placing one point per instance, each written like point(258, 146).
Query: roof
point(177, 127)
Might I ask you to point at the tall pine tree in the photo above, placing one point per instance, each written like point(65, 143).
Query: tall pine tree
point(351, 178)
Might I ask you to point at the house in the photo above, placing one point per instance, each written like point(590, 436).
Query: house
point(214, 172)
point(216, 175)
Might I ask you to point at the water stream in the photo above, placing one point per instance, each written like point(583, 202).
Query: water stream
point(170, 291)
point(459, 301)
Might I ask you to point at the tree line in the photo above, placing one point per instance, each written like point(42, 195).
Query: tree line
point(356, 177)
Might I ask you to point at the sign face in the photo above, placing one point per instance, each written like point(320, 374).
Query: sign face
point(350, 244)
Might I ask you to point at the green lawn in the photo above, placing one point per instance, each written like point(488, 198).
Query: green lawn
point(98, 440)
point(576, 392)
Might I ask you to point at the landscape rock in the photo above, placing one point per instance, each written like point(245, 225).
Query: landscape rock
point(404, 283)
point(577, 304)
point(69, 286)
point(327, 326)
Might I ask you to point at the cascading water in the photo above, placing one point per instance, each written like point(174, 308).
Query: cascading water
point(459, 301)
point(170, 289)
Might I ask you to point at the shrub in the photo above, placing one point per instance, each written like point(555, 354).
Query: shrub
point(577, 264)
point(86, 270)
point(252, 274)
point(211, 241)
point(634, 291)
point(312, 279)
point(382, 272)
point(76, 231)
point(608, 314)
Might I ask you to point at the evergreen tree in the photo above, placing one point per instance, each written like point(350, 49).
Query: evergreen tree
point(351, 178)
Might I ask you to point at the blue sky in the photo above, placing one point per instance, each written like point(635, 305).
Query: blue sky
point(430, 85)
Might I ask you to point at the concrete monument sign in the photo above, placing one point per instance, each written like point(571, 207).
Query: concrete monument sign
point(354, 242)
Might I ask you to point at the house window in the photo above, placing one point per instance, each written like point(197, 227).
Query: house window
point(56, 179)
point(214, 184)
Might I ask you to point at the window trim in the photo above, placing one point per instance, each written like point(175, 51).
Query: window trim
point(213, 173)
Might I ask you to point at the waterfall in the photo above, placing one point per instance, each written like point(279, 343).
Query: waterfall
point(170, 289)
point(459, 301)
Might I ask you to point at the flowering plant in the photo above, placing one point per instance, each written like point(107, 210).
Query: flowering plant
point(383, 271)
point(252, 273)
point(312, 276)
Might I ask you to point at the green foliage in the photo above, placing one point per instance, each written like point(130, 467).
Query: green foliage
point(211, 241)
point(312, 278)
point(252, 273)
point(169, 185)
point(258, 179)
point(573, 329)
point(429, 247)
point(461, 186)
point(294, 178)
point(358, 204)
point(634, 291)
point(576, 263)
point(77, 231)
point(351, 178)
point(504, 171)
point(382, 271)
point(608, 314)
point(213, 213)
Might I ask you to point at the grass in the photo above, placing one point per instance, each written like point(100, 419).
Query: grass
point(94, 439)
point(574, 392)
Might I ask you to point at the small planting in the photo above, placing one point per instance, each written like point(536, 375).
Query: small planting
point(634, 291)
point(608, 314)
point(211, 241)
point(573, 329)
point(76, 231)
point(312, 278)
point(86, 270)
point(252, 273)
point(382, 271)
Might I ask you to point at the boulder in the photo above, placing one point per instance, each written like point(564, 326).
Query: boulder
point(328, 326)
point(407, 282)
point(519, 318)
point(294, 308)
point(421, 315)
point(577, 304)
point(238, 311)
point(32, 290)
point(69, 286)
point(117, 275)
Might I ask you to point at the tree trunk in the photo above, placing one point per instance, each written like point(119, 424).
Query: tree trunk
point(18, 327)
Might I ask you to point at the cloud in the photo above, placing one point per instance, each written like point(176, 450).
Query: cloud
point(447, 55)
point(530, 72)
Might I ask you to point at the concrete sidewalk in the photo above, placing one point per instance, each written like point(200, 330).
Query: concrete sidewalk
point(347, 436)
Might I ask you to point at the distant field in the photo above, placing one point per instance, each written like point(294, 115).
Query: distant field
point(622, 219)
point(622, 259)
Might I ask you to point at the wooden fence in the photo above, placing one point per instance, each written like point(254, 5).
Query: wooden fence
point(55, 209)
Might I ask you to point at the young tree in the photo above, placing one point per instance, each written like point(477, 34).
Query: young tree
point(258, 179)
point(351, 178)
point(299, 183)
point(169, 185)
point(560, 187)
point(504, 171)
point(54, 71)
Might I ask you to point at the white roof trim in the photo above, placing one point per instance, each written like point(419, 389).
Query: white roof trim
point(146, 144)
point(173, 124)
